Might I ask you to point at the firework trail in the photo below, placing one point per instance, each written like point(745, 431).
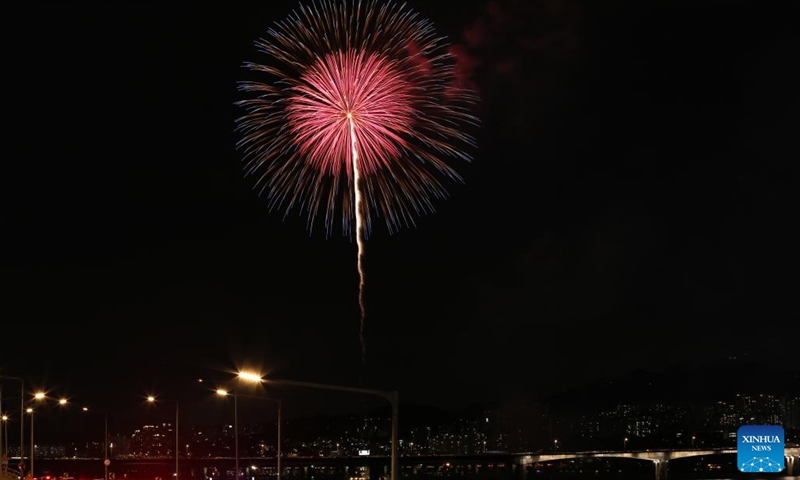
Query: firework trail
point(356, 114)
point(359, 237)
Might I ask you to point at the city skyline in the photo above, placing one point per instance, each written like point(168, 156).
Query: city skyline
point(659, 426)
point(627, 209)
point(511, 428)
point(62, 416)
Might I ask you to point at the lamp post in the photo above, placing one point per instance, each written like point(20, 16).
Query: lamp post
point(30, 411)
point(21, 415)
point(5, 427)
point(152, 399)
point(5, 421)
point(223, 392)
point(390, 396)
point(39, 397)
point(625, 444)
point(254, 378)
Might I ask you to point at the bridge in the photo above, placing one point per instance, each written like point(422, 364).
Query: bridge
point(510, 466)
point(660, 458)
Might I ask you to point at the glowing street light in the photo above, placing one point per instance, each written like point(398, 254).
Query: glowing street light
point(30, 411)
point(152, 399)
point(2, 451)
point(38, 396)
point(253, 377)
point(250, 377)
point(21, 416)
point(5, 428)
point(224, 393)
point(625, 443)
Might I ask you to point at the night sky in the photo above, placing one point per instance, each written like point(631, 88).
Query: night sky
point(631, 205)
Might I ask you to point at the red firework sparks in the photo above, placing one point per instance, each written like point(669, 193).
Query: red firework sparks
point(354, 81)
point(377, 99)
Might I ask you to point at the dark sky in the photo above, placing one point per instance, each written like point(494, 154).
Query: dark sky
point(632, 204)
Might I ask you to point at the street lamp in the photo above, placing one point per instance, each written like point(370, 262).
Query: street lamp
point(30, 411)
point(21, 416)
point(256, 378)
point(5, 428)
point(106, 461)
point(39, 397)
point(152, 399)
point(625, 443)
point(3, 452)
point(390, 396)
point(555, 444)
point(224, 393)
point(693, 439)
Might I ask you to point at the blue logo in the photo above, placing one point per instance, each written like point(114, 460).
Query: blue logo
point(760, 448)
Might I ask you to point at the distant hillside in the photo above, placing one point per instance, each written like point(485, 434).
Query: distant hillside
point(681, 385)
point(673, 385)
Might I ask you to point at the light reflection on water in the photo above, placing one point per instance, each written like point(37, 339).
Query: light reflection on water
point(599, 476)
point(700, 468)
point(612, 477)
point(744, 477)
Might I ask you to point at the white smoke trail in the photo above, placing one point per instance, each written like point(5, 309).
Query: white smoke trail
point(359, 236)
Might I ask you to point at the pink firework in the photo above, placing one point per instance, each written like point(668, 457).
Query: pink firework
point(351, 88)
point(358, 112)
point(386, 68)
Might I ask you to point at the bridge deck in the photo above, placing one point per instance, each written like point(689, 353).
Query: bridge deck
point(653, 455)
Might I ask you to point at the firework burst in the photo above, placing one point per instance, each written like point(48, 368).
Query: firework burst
point(355, 114)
